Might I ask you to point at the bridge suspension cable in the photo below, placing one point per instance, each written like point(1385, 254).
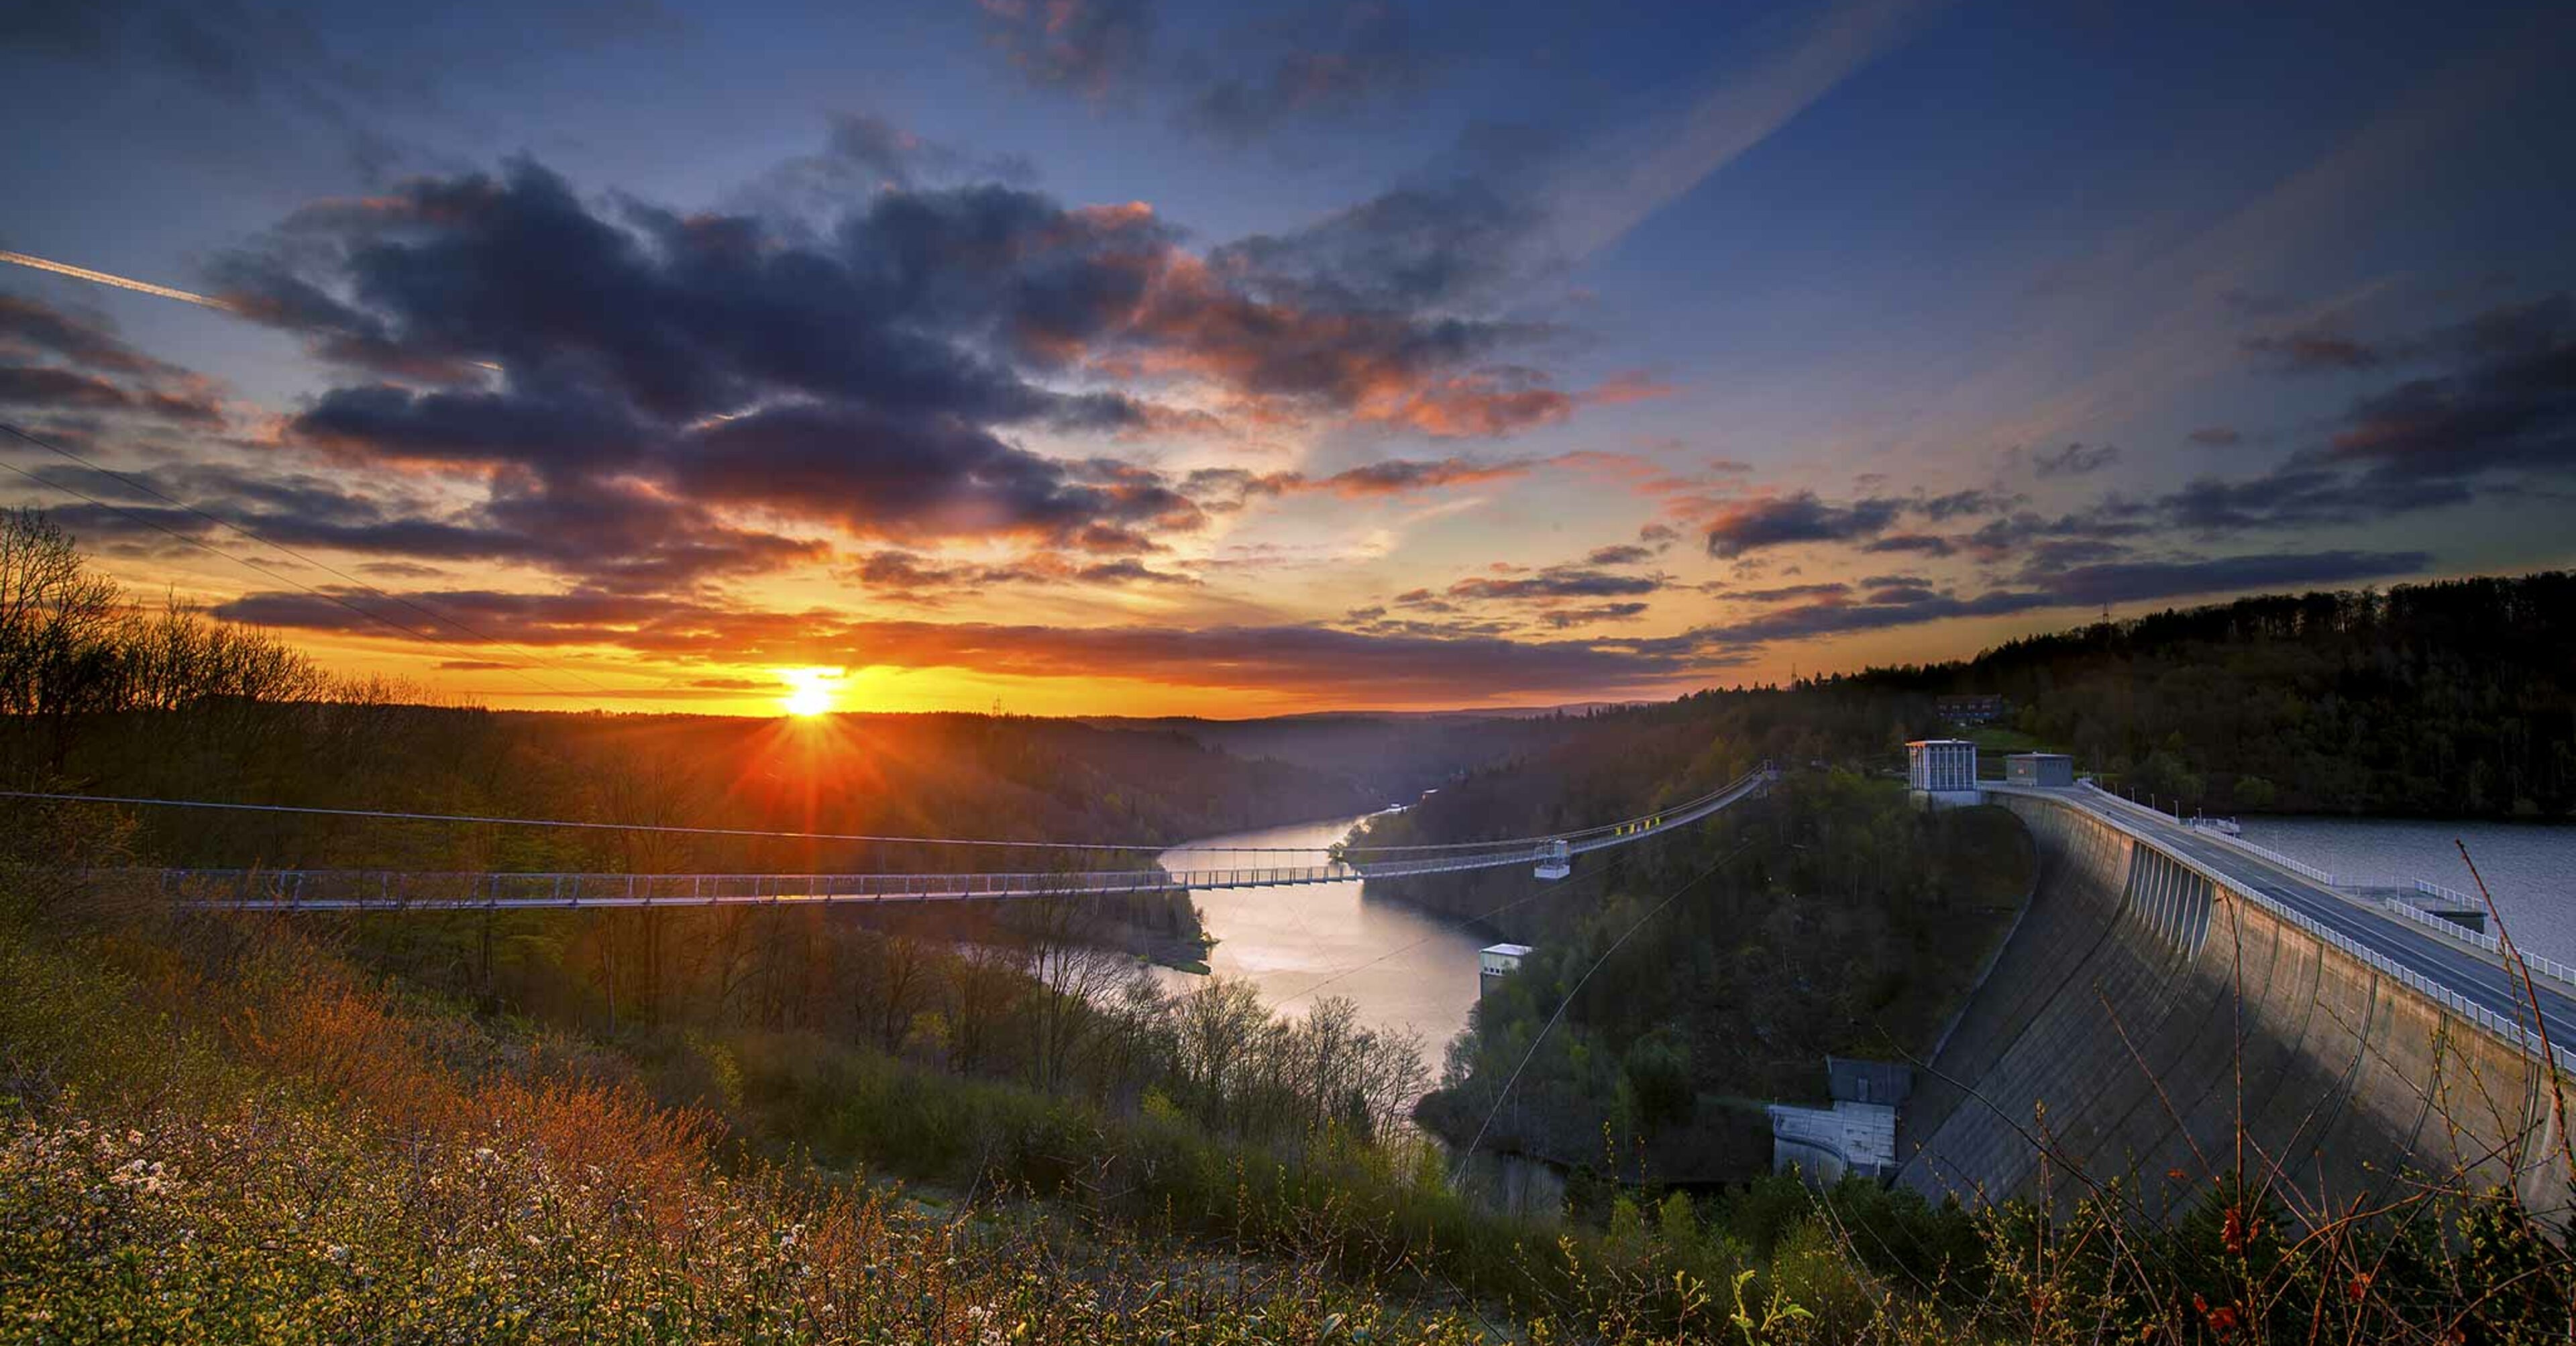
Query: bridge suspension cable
point(403, 891)
point(1584, 838)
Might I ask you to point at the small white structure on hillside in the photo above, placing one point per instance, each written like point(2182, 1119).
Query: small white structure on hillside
point(1941, 771)
point(1495, 962)
point(1855, 1136)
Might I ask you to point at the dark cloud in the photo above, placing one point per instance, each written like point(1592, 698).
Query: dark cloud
point(1563, 618)
point(894, 155)
point(2059, 553)
point(1960, 504)
point(88, 369)
point(1397, 475)
point(863, 154)
point(2294, 496)
point(1281, 68)
point(888, 476)
point(1620, 555)
point(1092, 47)
point(1416, 245)
point(1774, 521)
point(2108, 520)
point(2508, 402)
point(2139, 581)
point(913, 578)
point(1922, 544)
point(1746, 526)
point(925, 301)
point(872, 377)
point(1789, 591)
point(611, 534)
point(1129, 570)
point(2316, 350)
point(1555, 582)
point(2502, 403)
point(2079, 586)
point(29, 328)
point(568, 432)
point(2216, 437)
point(2074, 460)
point(1335, 61)
point(48, 387)
point(1224, 489)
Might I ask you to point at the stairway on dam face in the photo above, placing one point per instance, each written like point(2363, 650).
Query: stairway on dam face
point(2140, 1010)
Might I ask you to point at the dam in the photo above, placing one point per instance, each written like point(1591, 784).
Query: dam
point(2174, 1007)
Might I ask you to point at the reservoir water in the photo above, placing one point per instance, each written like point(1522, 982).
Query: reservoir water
point(2529, 867)
point(1404, 968)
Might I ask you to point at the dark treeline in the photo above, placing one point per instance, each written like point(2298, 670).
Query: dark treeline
point(2455, 699)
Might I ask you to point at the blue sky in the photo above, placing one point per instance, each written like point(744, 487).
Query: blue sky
point(1118, 354)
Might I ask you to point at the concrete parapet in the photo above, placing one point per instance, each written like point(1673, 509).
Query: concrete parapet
point(2141, 1012)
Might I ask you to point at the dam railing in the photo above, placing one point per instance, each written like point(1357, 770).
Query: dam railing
point(2360, 888)
point(2540, 966)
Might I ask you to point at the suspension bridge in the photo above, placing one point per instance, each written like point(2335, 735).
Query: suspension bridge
point(395, 891)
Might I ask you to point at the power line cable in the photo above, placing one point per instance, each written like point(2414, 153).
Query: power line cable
point(1561, 1005)
point(394, 815)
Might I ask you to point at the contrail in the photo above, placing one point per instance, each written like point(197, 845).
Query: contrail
point(147, 287)
point(120, 282)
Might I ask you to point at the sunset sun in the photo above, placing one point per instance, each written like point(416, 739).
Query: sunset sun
point(810, 691)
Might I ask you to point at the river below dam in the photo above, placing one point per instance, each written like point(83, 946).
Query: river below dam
point(1407, 970)
point(2529, 867)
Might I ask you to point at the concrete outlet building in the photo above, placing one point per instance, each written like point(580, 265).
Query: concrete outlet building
point(1855, 1136)
point(1941, 771)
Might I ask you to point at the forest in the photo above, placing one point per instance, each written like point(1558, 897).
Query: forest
point(1829, 918)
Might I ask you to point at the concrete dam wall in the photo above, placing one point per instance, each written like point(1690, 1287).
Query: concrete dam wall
point(2140, 1010)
